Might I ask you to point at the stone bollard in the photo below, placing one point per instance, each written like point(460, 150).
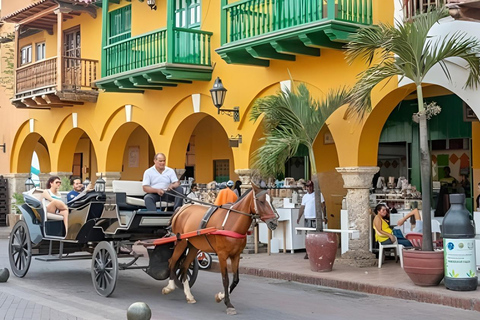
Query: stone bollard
point(4, 275)
point(139, 311)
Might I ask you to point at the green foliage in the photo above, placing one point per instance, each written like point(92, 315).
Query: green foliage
point(290, 119)
point(8, 56)
point(18, 201)
point(406, 50)
point(66, 185)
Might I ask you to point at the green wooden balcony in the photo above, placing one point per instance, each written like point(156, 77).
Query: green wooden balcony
point(257, 31)
point(157, 59)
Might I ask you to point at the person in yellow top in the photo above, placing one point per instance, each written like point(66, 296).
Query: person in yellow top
point(226, 195)
point(383, 232)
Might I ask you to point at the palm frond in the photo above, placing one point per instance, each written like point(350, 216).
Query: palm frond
point(359, 100)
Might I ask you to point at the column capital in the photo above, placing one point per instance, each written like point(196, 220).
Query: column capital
point(245, 175)
point(357, 177)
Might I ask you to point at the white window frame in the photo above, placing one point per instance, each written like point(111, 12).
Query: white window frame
point(40, 47)
point(26, 55)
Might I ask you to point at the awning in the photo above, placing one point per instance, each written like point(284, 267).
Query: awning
point(41, 15)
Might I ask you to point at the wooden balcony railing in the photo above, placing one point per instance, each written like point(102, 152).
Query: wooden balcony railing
point(250, 18)
point(37, 75)
point(78, 73)
point(190, 46)
point(411, 8)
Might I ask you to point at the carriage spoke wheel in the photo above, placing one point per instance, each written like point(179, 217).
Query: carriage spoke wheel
point(192, 272)
point(104, 269)
point(204, 260)
point(20, 249)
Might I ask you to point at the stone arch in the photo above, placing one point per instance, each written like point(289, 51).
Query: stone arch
point(22, 156)
point(211, 144)
point(116, 147)
point(68, 147)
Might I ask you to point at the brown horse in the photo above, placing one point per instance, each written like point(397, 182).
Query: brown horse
point(229, 241)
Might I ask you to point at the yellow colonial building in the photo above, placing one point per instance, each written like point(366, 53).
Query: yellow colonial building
point(101, 86)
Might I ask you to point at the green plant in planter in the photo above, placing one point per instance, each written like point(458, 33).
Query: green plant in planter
point(291, 118)
point(18, 199)
point(66, 185)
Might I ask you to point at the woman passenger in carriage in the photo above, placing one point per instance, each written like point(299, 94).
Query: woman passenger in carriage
point(55, 202)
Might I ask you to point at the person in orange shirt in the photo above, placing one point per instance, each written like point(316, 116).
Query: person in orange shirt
point(226, 195)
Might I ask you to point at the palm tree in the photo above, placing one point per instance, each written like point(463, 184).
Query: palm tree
point(407, 51)
point(293, 118)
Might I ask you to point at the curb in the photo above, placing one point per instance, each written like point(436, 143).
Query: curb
point(472, 304)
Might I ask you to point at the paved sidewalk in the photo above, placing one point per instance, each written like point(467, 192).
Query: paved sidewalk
point(390, 280)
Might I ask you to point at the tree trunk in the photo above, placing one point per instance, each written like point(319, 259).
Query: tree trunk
point(425, 174)
point(316, 185)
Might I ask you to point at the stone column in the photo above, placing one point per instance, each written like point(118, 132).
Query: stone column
point(357, 181)
point(109, 177)
point(43, 177)
point(16, 183)
point(245, 175)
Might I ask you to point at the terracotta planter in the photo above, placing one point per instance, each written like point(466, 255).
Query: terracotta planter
point(322, 249)
point(425, 268)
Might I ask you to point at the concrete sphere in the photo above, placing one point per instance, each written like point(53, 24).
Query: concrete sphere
point(4, 274)
point(139, 311)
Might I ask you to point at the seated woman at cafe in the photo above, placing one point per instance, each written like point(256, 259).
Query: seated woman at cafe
point(383, 232)
point(415, 220)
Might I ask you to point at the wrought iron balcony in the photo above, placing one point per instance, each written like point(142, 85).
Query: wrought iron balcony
point(156, 59)
point(37, 86)
point(257, 31)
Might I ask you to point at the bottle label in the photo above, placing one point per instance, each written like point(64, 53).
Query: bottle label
point(459, 257)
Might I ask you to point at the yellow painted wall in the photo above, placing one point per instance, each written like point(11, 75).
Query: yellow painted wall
point(168, 117)
point(139, 138)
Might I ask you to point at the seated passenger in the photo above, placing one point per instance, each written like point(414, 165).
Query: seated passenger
point(77, 188)
point(158, 182)
point(383, 232)
point(54, 199)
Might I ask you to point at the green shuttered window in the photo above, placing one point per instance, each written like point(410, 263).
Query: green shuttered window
point(120, 24)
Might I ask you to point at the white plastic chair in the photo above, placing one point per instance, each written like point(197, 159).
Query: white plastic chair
point(398, 252)
point(435, 228)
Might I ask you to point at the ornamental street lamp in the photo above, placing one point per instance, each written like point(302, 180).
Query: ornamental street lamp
point(218, 93)
point(86, 183)
point(29, 184)
point(152, 4)
point(100, 185)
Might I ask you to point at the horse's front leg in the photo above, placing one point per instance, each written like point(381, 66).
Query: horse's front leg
point(222, 259)
point(235, 261)
point(191, 256)
point(177, 253)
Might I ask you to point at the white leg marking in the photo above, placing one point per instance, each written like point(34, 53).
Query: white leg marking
point(219, 297)
point(169, 288)
point(188, 293)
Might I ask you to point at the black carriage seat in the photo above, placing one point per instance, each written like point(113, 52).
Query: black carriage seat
point(84, 198)
point(134, 194)
point(34, 199)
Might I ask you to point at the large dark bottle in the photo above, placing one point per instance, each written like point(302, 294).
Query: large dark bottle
point(458, 235)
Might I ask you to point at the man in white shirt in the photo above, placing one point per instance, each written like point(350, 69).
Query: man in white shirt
point(158, 181)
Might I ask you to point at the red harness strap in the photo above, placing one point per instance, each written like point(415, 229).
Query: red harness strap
point(230, 234)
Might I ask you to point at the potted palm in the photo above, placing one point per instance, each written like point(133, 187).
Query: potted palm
point(406, 50)
point(292, 118)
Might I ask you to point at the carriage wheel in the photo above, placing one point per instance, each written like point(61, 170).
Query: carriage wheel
point(192, 272)
point(104, 268)
point(204, 260)
point(20, 249)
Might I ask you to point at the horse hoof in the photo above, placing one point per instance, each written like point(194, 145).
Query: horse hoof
point(231, 311)
point(219, 297)
point(191, 301)
point(166, 291)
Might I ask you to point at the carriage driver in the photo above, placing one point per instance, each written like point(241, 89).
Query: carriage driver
point(158, 180)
